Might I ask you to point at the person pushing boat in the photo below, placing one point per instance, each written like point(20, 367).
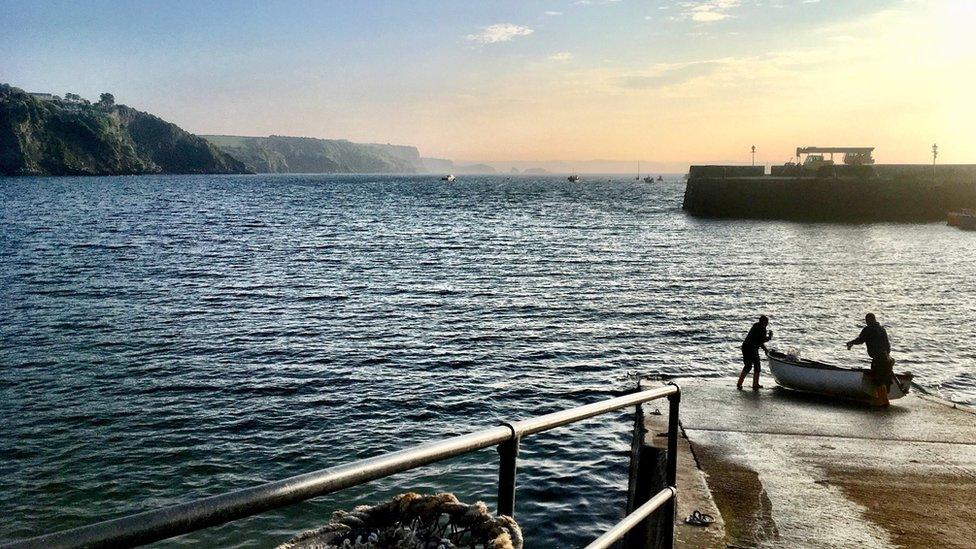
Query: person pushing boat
point(875, 338)
point(755, 340)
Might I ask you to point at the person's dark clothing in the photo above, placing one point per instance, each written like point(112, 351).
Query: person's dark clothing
point(751, 359)
point(755, 340)
point(875, 338)
point(881, 370)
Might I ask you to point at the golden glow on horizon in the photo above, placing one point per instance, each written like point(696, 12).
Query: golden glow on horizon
point(899, 79)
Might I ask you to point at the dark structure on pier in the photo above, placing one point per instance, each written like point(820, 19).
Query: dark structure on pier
point(855, 191)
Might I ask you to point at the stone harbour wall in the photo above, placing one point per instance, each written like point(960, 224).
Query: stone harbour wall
point(907, 193)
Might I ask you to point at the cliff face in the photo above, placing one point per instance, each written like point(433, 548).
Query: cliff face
point(40, 137)
point(437, 165)
point(280, 154)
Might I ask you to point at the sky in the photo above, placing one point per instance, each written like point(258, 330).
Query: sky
point(660, 81)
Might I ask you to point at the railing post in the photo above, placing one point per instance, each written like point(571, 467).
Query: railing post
point(507, 463)
point(635, 479)
point(672, 469)
point(644, 479)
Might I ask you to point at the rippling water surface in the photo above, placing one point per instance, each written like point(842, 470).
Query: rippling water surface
point(165, 338)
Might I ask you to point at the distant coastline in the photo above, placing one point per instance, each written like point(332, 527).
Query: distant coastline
point(285, 154)
point(44, 134)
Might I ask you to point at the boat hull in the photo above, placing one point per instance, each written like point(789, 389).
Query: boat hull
point(824, 379)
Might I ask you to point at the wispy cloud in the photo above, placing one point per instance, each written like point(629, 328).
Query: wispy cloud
point(561, 56)
point(669, 74)
point(708, 16)
point(502, 32)
point(707, 11)
point(553, 13)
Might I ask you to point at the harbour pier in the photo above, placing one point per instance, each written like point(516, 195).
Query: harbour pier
point(776, 468)
point(844, 193)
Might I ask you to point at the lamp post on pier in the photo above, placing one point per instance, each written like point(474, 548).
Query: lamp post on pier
point(753, 155)
point(935, 153)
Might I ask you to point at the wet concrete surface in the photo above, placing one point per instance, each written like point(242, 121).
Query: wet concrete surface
point(693, 492)
point(791, 470)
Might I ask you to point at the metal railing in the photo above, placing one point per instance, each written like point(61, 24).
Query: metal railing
point(184, 518)
point(611, 536)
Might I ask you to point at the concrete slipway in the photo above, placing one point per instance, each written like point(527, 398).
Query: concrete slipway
point(782, 469)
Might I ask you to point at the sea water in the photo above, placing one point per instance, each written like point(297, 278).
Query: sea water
point(170, 337)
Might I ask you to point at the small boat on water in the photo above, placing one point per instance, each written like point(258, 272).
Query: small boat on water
point(811, 376)
point(448, 177)
point(648, 179)
point(574, 178)
point(660, 178)
point(964, 219)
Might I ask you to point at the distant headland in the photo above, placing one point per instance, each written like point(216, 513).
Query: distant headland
point(47, 134)
point(43, 134)
point(283, 154)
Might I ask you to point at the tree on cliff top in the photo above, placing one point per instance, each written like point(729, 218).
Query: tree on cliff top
point(106, 100)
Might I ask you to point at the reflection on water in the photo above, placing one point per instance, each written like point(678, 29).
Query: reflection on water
point(166, 337)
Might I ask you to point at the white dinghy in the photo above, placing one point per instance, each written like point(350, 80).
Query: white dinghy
point(811, 376)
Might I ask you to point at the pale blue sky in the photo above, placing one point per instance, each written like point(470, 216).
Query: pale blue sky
point(478, 81)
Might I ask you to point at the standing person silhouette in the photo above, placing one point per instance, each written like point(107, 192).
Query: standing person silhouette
point(755, 340)
point(875, 339)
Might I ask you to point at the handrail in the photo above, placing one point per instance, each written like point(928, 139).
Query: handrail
point(558, 419)
point(175, 520)
point(620, 529)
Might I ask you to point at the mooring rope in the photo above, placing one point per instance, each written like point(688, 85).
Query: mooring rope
point(411, 521)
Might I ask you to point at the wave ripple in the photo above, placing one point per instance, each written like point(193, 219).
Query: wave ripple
point(174, 336)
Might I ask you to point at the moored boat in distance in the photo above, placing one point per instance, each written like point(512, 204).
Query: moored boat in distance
point(964, 219)
point(449, 177)
point(648, 179)
point(573, 178)
point(811, 376)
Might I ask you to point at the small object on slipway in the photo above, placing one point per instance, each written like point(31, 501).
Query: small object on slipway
point(697, 518)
